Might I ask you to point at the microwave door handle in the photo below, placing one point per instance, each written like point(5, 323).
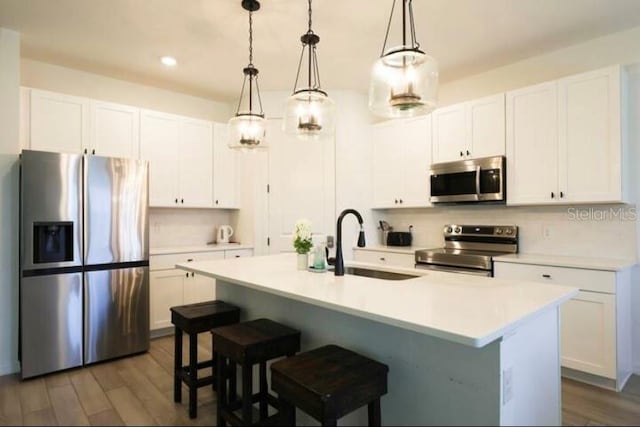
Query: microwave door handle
point(478, 182)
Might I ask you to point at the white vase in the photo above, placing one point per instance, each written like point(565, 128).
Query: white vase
point(303, 261)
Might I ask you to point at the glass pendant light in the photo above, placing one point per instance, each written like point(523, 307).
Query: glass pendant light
point(404, 81)
point(309, 112)
point(247, 129)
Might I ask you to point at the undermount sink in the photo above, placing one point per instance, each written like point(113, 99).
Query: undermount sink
point(377, 274)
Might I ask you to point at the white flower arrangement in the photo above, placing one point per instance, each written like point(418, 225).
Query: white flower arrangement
point(302, 241)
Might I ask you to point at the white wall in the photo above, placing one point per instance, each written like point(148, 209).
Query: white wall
point(616, 48)
point(55, 78)
point(9, 149)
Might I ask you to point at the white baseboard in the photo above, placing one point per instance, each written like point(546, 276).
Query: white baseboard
point(9, 368)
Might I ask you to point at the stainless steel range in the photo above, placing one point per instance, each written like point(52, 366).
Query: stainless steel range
point(469, 249)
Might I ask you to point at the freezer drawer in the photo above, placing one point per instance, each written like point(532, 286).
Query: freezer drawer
point(51, 323)
point(116, 313)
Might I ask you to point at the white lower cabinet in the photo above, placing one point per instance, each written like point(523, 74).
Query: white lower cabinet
point(595, 334)
point(384, 258)
point(166, 291)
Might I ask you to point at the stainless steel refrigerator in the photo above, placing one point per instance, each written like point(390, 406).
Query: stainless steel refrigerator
point(84, 260)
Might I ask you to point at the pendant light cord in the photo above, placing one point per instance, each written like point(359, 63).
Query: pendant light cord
point(313, 68)
point(406, 4)
point(251, 38)
point(253, 78)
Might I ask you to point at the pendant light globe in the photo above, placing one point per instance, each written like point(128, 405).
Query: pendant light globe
point(404, 80)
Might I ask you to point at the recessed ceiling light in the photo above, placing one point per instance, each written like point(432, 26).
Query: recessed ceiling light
point(169, 61)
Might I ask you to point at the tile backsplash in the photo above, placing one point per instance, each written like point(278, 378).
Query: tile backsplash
point(184, 227)
point(603, 230)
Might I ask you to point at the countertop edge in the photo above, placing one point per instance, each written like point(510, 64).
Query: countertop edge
point(197, 248)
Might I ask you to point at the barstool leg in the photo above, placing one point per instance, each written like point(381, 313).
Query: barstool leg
point(287, 413)
point(221, 368)
point(247, 393)
point(193, 375)
point(233, 382)
point(374, 413)
point(177, 366)
point(264, 390)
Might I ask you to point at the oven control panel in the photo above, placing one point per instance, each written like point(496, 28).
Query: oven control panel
point(456, 230)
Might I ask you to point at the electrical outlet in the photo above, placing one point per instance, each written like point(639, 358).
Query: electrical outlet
point(507, 385)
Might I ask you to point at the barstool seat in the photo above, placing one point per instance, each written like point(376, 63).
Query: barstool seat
point(193, 319)
point(247, 344)
point(328, 383)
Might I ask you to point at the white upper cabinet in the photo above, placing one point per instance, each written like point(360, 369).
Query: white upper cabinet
point(58, 122)
point(196, 163)
point(449, 134)
point(115, 130)
point(401, 161)
point(590, 137)
point(532, 145)
point(564, 140)
point(70, 124)
point(159, 144)
point(469, 130)
point(225, 170)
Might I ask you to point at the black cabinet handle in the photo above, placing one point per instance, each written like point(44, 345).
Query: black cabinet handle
point(181, 200)
point(546, 276)
point(216, 202)
point(85, 151)
point(190, 260)
point(468, 153)
point(193, 274)
point(382, 259)
point(400, 200)
point(187, 274)
point(176, 200)
point(461, 154)
point(561, 195)
point(395, 201)
point(553, 195)
point(93, 151)
point(237, 256)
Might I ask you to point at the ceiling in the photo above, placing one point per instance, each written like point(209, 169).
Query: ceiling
point(125, 38)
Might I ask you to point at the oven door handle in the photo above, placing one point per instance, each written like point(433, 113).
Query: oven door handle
point(478, 182)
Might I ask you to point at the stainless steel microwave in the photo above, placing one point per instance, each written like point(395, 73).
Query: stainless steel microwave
point(469, 181)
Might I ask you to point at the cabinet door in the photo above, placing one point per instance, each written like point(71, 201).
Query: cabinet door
point(449, 134)
point(225, 170)
point(166, 291)
point(115, 130)
point(159, 142)
point(59, 123)
point(485, 126)
point(196, 164)
point(387, 155)
point(416, 151)
point(590, 139)
point(198, 288)
point(588, 334)
point(532, 145)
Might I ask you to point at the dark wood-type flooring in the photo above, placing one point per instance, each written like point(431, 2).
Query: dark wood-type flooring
point(138, 390)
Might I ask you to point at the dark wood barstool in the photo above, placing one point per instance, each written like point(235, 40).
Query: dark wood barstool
point(328, 383)
point(247, 344)
point(193, 319)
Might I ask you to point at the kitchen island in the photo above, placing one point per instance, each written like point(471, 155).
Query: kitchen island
point(461, 349)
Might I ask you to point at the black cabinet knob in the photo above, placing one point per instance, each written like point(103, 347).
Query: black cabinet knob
point(176, 200)
point(181, 200)
point(93, 151)
point(461, 154)
point(395, 201)
point(553, 195)
point(193, 274)
point(400, 200)
point(216, 202)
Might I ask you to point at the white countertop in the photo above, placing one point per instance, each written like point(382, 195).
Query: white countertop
point(200, 248)
point(466, 309)
point(606, 264)
point(410, 250)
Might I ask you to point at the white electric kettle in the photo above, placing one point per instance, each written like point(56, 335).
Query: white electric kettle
point(224, 233)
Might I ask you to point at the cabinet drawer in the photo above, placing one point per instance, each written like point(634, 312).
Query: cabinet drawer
point(169, 261)
point(586, 280)
point(238, 253)
point(385, 258)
